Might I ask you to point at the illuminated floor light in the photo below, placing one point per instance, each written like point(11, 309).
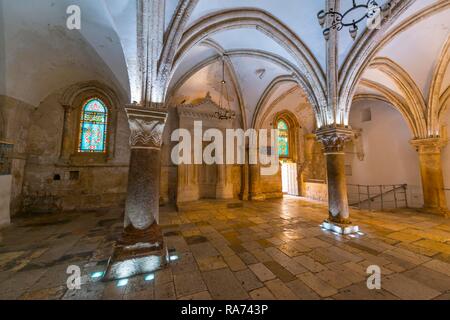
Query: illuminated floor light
point(96, 275)
point(174, 258)
point(150, 277)
point(122, 283)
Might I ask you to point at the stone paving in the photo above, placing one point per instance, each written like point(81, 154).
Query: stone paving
point(252, 250)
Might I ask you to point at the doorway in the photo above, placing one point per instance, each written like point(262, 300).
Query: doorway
point(289, 178)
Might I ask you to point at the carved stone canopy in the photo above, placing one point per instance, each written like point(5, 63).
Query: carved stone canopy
point(334, 138)
point(205, 109)
point(147, 127)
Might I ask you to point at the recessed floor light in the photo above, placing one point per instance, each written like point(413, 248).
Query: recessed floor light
point(122, 283)
point(97, 275)
point(149, 277)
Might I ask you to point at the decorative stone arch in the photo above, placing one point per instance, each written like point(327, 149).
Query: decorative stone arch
point(370, 43)
point(221, 54)
point(295, 75)
point(72, 101)
point(174, 34)
point(435, 102)
point(397, 101)
point(269, 26)
point(444, 100)
point(413, 106)
point(258, 117)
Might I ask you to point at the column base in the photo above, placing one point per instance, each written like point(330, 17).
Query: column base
point(443, 212)
point(137, 252)
point(341, 228)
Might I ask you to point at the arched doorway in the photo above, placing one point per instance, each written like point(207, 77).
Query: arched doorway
point(287, 152)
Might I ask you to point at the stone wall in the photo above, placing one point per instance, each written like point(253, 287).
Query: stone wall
point(5, 196)
point(316, 191)
point(41, 182)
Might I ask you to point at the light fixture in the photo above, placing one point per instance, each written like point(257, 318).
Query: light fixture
point(150, 277)
point(350, 18)
point(122, 283)
point(96, 275)
point(224, 113)
point(174, 258)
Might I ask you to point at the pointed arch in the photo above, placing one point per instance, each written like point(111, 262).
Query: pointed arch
point(435, 105)
point(268, 25)
point(398, 102)
point(371, 42)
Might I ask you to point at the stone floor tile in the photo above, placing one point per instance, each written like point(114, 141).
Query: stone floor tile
point(262, 294)
point(165, 291)
point(188, 283)
point(262, 272)
point(302, 291)
point(430, 278)
point(222, 285)
point(438, 266)
point(211, 263)
point(319, 286)
point(280, 290)
point(280, 272)
point(310, 264)
point(248, 280)
point(408, 289)
point(361, 292)
point(198, 296)
point(235, 263)
point(334, 279)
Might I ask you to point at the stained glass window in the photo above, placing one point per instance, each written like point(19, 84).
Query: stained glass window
point(283, 139)
point(93, 126)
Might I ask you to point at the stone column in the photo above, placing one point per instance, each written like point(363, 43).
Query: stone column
point(188, 185)
point(333, 140)
point(141, 249)
point(431, 171)
point(224, 186)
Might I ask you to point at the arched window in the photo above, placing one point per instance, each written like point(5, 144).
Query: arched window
point(283, 139)
point(93, 127)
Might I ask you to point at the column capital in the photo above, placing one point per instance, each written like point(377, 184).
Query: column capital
point(334, 138)
point(147, 127)
point(429, 145)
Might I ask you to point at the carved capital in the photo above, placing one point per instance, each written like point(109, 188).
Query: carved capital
point(334, 138)
point(147, 127)
point(429, 146)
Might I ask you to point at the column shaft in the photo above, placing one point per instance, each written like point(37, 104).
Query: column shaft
point(431, 172)
point(337, 187)
point(142, 204)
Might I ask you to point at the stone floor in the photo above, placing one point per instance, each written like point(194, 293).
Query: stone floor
point(256, 250)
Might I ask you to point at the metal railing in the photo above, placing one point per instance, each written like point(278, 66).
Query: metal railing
point(378, 197)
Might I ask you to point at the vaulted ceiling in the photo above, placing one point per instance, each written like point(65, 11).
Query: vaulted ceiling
point(42, 55)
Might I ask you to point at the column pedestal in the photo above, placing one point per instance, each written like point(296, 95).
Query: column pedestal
point(434, 198)
point(141, 247)
point(333, 140)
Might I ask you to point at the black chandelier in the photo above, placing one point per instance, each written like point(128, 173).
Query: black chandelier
point(350, 18)
point(224, 113)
